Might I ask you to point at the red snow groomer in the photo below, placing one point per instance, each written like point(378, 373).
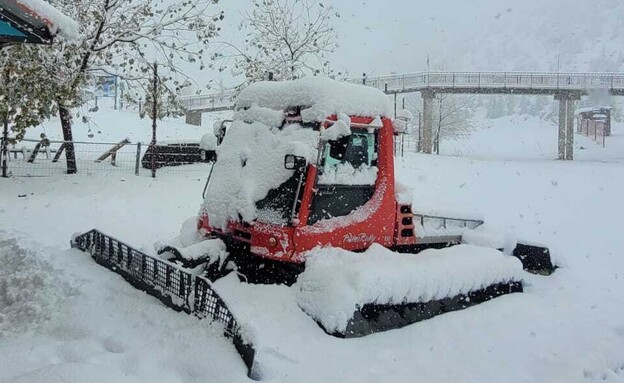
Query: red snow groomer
point(337, 188)
point(309, 164)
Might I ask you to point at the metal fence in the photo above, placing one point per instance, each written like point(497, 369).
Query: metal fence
point(48, 158)
point(404, 143)
point(595, 130)
point(174, 286)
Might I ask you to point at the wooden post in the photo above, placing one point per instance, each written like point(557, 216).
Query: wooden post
point(113, 151)
point(58, 153)
point(34, 153)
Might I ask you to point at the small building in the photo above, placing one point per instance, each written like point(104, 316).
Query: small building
point(594, 116)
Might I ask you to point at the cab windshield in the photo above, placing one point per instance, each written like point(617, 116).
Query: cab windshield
point(347, 175)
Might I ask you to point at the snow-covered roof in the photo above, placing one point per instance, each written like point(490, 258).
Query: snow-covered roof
point(321, 97)
point(592, 109)
point(55, 20)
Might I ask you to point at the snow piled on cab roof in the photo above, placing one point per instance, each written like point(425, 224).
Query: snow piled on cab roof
point(321, 97)
point(58, 22)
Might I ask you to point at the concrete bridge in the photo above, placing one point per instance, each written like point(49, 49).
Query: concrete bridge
point(195, 105)
point(567, 88)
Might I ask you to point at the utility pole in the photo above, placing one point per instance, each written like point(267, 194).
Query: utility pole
point(154, 117)
point(5, 132)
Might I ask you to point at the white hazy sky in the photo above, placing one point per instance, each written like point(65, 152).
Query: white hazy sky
point(384, 36)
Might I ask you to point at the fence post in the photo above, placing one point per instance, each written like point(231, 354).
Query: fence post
point(138, 159)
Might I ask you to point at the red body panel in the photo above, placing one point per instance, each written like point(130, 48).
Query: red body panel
point(375, 222)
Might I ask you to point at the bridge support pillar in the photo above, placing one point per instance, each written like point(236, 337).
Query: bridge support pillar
point(571, 106)
point(567, 106)
point(428, 97)
point(561, 137)
point(193, 118)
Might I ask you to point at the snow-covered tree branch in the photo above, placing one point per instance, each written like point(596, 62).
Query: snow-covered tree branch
point(124, 37)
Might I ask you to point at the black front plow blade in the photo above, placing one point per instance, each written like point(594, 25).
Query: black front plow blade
point(535, 259)
point(172, 285)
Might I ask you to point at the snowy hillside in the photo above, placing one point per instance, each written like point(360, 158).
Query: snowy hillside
point(65, 318)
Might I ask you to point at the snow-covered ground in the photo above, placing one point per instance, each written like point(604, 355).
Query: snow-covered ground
point(64, 318)
point(523, 137)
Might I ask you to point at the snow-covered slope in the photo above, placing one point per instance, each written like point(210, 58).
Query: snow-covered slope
point(63, 316)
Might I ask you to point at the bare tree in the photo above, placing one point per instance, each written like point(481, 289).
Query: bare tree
point(287, 39)
point(452, 119)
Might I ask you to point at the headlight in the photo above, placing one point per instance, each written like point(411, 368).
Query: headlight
point(272, 241)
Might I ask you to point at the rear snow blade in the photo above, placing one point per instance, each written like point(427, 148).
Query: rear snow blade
point(372, 318)
point(535, 259)
point(174, 286)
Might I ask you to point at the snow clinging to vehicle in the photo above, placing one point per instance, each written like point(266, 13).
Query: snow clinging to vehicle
point(320, 96)
point(250, 164)
point(251, 158)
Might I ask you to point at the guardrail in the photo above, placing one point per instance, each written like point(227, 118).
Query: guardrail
point(172, 285)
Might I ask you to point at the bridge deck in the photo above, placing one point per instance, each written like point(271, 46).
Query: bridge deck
point(455, 82)
point(497, 82)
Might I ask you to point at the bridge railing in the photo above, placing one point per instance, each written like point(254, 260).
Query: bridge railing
point(446, 80)
point(493, 80)
point(223, 99)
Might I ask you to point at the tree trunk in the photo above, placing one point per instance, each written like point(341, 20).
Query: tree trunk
point(70, 154)
point(438, 143)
